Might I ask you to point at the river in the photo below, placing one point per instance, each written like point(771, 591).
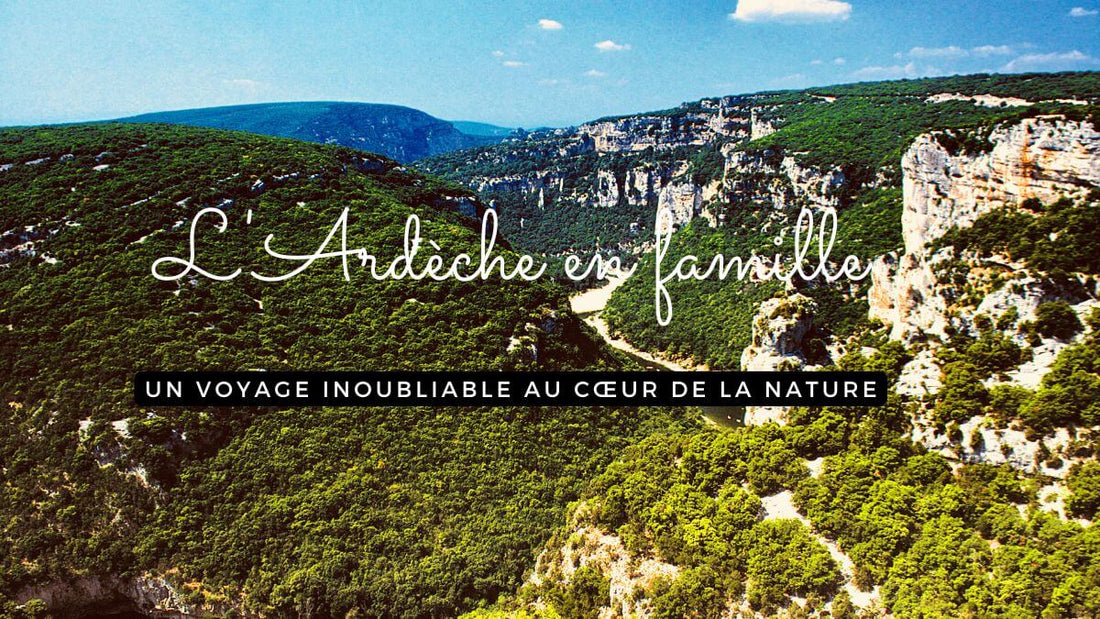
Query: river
point(589, 305)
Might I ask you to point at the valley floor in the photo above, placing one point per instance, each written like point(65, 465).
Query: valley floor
point(590, 304)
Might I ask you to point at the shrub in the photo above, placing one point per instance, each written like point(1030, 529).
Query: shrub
point(588, 590)
point(963, 395)
point(1057, 319)
point(1084, 484)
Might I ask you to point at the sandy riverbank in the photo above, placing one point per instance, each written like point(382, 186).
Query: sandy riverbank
point(590, 305)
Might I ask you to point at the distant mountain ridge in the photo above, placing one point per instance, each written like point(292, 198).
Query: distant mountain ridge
point(472, 127)
point(399, 132)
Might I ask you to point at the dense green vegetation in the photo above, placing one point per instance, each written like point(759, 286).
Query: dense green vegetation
point(1084, 484)
point(396, 511)
point(554, 214)
point(1081, 85)
point(863, 133)
point(862, 130)
point(1067, 395)
point(938, 542)
point(1035, 236)
point(382, 511)
point(713, 319)
point(681, 497)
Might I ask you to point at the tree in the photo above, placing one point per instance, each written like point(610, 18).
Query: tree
point(1057, 319)
point(696, 593)
point(963, 395)
point(587, 592)
point(1084, 484)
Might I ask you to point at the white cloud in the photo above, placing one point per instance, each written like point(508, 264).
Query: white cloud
point(244, 83)
point(1053, 60)
point(954, 51)
point(839, 61)
point(497, 53)
point(552, 82)
point(892, 72)
point(951, 51)
point(992, 50)
point(595, 73)
point(817, 62)
point(550, 24)
point(791, 10)
point(514, 64)
point(1080, 11)
point(611, 46)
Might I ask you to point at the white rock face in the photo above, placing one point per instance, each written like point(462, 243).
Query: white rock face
point(780, 326)
point(999, 446)
point(785, 180)
point(983, 100)
point(778, 329)
point(905, 293)
point(638, 133)
point(607, 189)
point(683, 200)
point(920, 377)
point(1038, 158)
point(760, 127)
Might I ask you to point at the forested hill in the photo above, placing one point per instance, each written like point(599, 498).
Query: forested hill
point(974, 491)
point(329, 512)
point(402, 133)
point(599, 183)
point(732, 170)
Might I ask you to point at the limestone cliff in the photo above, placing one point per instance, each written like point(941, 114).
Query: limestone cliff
point(691, 160)
point(922, 294)
point(778, 330)
point(1038, 158)
point(777, 333)
point(1042, 158)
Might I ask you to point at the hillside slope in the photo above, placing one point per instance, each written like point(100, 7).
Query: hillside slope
point(396, 131)
point(733, 171)
point(974, 491)
point(380, 511)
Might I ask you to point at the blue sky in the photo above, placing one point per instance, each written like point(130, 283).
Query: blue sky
point(517, 63)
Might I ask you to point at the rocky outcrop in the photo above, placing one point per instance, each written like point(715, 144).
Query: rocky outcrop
point(920, 294)
point(148, 595)
point(766, 177)
point(1038, 158)
point(984, 442)
point(626, 574)
point(690, 160)
point(638, 133)
point(517, 183)
point(906, 294)
point(760, 127)
point(778, 330)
